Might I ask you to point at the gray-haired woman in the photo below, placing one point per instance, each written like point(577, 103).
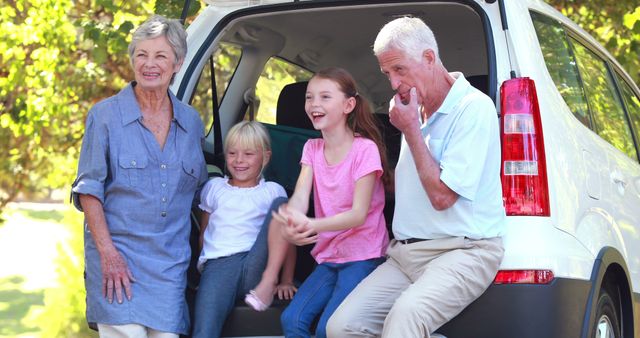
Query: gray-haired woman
point(140, 166)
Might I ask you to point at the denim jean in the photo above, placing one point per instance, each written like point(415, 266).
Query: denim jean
point(225, 280)
point(321, 293)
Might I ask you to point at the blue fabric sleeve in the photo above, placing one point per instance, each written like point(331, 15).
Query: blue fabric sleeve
point(93, 162)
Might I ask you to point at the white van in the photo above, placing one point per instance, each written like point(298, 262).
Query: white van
point(570, 119)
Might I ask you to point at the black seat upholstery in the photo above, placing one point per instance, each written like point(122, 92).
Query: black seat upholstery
point(481, 82)
point(288, 136)
point(290, 108)
point(391, 137)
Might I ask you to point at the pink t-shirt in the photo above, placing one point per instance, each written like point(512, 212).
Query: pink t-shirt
point(333, 189)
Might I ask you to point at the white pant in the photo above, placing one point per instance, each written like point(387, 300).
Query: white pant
point(419, 288)
point(131, 331)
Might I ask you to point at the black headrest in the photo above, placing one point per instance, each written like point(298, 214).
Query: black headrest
point(290, 109)
point(481, 82)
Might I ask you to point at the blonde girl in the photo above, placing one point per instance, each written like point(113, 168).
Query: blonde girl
point(235, 229)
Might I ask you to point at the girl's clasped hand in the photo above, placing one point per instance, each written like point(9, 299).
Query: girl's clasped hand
point(295, 225)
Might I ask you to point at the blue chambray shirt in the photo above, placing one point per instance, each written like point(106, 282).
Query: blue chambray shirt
point(147, 194)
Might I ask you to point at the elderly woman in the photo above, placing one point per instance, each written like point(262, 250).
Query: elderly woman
point(140, 166)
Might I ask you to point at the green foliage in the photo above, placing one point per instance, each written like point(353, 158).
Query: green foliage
point(614, 23)
point(276, 74)
point(57, 59)
point(173, 8)
point(225, 59)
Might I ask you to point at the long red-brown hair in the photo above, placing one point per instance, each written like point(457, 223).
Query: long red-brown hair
point(360, 120)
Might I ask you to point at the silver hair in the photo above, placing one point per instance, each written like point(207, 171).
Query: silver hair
point(410, 35)
point(157, 26)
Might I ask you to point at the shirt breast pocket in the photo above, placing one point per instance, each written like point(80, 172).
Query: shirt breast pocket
point(435, 147)
point(189, 175)
point(133, 167)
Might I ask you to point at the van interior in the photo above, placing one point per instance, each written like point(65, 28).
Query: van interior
point(313, 36)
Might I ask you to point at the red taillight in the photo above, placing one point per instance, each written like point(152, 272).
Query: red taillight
point(524, 169)
point(524, 277)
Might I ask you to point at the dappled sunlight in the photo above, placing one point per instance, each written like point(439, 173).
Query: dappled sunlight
point(30, 243)
point(16, 304)
point(41, 284)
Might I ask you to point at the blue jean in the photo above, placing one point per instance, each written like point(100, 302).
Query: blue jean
point(321, 293)
point(225, 280)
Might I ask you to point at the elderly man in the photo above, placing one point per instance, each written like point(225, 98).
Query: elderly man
point(447, 228)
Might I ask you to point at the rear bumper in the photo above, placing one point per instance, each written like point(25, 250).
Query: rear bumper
point(245, 322)
point(556, 310)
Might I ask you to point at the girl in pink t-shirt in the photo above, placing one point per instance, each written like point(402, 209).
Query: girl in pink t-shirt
point(345, 170)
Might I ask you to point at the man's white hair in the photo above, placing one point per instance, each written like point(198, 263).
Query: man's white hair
point(409, 35)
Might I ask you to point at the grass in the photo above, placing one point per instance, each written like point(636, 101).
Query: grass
point(15, 306)
point(41, 290)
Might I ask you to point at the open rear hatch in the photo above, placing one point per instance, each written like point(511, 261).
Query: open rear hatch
point(315, 35)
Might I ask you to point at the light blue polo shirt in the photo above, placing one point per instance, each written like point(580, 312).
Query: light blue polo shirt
point(463, 137)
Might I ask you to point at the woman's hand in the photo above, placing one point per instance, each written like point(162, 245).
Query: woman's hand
point(116, 276)
point(286, 290)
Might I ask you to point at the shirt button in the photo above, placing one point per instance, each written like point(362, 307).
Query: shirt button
point(133, 163)
point(163, 214)
point(163, 166)
point(164, 199)
point(164, 185)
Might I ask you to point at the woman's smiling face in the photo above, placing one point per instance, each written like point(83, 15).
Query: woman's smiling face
point(154, 63)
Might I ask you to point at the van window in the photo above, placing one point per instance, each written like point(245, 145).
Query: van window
point(276, 74)
point(604, 102)
point(632, 102)
point(561, 65)
point(224, 61)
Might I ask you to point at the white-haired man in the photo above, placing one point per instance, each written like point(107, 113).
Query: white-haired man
point(447, 228)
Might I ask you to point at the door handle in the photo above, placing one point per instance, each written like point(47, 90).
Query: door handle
point(618, 179)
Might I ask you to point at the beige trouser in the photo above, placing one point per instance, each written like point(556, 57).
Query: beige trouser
point(419, 288)
point(131, 331)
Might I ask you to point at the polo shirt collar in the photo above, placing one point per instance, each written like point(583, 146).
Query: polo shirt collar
point(130, 109)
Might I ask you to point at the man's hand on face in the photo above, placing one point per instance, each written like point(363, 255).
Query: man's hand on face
point(405, 117)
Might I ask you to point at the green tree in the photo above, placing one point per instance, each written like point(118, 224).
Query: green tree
point(57, 59)
point(614, 23)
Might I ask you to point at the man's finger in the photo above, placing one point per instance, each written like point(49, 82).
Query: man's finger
point(413, 96)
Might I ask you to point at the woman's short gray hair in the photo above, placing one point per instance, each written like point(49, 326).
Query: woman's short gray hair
point(410, 35)
point(157, 26)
